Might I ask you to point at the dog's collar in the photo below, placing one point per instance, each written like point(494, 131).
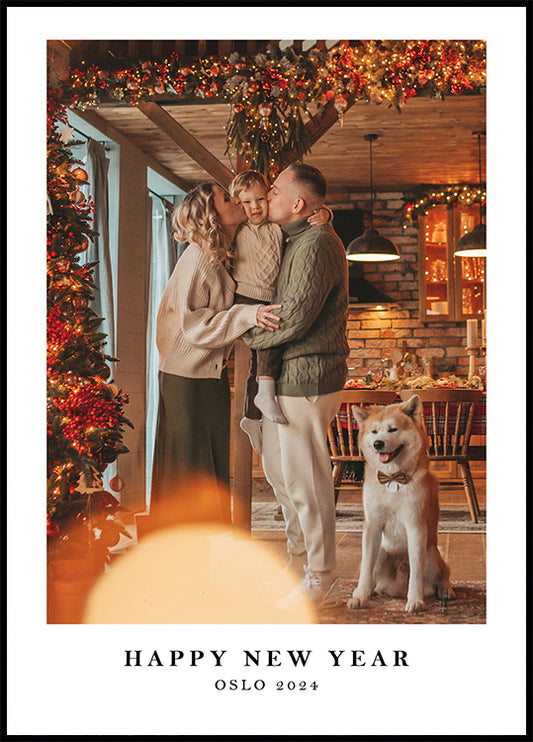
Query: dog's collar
point(393, 482)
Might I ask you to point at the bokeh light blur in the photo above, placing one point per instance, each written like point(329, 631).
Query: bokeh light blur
point(191, 567)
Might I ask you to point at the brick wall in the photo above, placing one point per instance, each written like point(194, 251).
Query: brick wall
point(373, 334)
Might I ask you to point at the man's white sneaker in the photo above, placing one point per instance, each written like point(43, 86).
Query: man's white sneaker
point(321, 588)
point(295, 568)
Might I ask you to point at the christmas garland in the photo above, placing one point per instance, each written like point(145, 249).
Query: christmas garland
point(270, 94)
point(426, 197)
point(85, 418)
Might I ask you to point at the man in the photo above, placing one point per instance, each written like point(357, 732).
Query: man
point(313, 289)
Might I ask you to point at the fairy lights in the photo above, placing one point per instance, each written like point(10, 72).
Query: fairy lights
point(85, 419)
point(453, 195)
point(292, 85)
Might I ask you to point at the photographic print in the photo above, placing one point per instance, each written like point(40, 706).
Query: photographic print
point(270, 453)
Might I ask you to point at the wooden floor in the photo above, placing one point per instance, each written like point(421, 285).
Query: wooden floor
point(464, 552)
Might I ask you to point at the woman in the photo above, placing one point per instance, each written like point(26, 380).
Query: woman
point(197, 324)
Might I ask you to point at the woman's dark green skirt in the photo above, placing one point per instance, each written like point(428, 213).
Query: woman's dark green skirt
point(192, 434)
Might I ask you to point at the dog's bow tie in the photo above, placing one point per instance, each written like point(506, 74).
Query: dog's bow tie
point(392, 483)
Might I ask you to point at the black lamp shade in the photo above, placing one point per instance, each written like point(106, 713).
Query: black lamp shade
point(371, 246)
point(473, 244)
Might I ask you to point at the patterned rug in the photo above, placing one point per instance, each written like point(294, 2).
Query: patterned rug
point(469, 607)
point(453, 518)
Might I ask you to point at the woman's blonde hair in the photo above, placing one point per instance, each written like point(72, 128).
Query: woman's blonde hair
point(195, 219)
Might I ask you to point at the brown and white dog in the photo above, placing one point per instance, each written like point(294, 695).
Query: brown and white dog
point(400, 496)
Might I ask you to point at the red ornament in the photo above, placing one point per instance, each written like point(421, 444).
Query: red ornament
point(77, 197)
point(116, 484)
point(82, 246)
point(79, 302)
point(80, 174)
point(51, 527)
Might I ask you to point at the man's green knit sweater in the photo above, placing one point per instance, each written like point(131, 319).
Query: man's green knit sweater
point(313, 288)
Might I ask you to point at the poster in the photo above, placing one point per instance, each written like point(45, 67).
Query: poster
point(238, 679)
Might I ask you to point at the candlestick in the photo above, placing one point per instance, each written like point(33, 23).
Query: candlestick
point(472, 353)
point(483, 333)
point(471, 333)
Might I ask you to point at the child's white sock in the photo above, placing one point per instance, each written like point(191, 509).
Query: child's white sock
point(252, 428)
point(267, 402)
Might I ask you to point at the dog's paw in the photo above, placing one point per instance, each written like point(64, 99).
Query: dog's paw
point(445, 592)
point(357, 601)
point(414, 606)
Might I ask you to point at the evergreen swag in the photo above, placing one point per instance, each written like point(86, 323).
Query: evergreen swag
point(426, 196)
point(84, 413)
point(270, 94)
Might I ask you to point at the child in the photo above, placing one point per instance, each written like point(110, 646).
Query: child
point(258, 248)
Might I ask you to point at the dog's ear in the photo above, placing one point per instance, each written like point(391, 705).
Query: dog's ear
point(412, 407)
point(360, 414)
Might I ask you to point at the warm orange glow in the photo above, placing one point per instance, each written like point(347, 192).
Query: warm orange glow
point(193, 575)
point(192, 567)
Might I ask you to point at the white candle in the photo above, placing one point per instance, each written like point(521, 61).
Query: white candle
point(471, 333)
point(483, 333)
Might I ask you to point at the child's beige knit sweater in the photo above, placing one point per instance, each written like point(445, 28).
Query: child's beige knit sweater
point(197, 322)
point(258, 249)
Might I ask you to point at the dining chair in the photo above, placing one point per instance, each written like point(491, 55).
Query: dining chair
point(342, 431)
point(448, 418)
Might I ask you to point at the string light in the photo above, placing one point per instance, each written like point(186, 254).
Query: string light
point(289, 84)
point(84, 417)
point(455, 194)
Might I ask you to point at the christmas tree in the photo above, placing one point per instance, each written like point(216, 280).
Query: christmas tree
point(85, 419)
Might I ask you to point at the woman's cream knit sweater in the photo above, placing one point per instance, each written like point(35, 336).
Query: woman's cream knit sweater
point(197, 322)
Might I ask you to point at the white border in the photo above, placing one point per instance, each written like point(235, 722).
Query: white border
point(70, 679)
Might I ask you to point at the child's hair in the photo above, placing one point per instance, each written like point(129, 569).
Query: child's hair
point(247, 179)
point(195, 219)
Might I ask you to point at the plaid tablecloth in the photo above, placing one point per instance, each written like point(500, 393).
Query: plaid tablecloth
point(479, 423)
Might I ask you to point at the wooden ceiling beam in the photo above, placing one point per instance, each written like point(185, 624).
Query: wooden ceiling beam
point(189, 144)
point(113, 133)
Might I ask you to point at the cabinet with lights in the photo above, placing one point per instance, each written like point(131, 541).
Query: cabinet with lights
point(452, 288)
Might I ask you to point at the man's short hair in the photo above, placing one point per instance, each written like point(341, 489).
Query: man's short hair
point(311, 177)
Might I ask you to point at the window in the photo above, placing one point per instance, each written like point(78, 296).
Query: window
point(99, 156)
point(164, 252)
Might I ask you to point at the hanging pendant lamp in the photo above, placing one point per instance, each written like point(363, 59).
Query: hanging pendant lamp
point(371, 246)
point(474, 243)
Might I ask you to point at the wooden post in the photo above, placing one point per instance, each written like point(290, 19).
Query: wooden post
point(242, 450)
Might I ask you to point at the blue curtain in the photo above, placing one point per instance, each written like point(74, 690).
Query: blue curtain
point(103, 303)
point(163, 252)
point(99, 251)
